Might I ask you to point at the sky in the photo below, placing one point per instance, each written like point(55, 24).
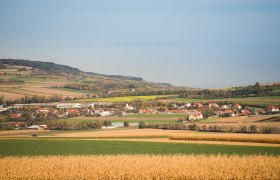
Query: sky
point(194, 43)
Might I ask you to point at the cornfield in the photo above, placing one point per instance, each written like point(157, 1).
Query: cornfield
point(141, 167)
point(255, 138)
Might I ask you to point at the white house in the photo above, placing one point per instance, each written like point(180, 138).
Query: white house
point(77, 106)
point(225, 106)
point(195, 116)
point(215, 105)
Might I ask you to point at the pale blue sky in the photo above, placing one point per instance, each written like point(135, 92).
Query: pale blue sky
point(198, 43)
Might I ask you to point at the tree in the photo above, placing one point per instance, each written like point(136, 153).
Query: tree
point(142, 125)
point(253, 129)
point(126, 124)
point(2, 100)
point(107, 123)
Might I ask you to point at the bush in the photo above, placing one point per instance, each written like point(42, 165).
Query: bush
point(141, 125)
point(126, 124)
point(253, 129)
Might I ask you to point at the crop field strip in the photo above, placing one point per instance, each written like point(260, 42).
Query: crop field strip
point(11, 96)
point(53, 91)
point(24, 91)
point(255, 138)
point(120, 133)
point(35, 147)
point(141, 167)
point(119, 99)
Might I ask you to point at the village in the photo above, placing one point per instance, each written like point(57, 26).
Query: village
point(35, 115)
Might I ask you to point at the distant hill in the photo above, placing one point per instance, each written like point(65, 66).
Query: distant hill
point(117, 76)
point(44, 66)
point(21, 78)
point(51, 67)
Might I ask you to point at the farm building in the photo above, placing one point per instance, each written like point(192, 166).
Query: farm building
point(38, 127)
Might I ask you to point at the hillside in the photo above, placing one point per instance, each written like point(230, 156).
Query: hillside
point(25, 78)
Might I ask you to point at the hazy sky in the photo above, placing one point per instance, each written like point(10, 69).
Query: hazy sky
point(198, 43)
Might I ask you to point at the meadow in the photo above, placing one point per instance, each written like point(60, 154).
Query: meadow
point(261, 101)
point(130, 119)
point(141, 167)
point(43, 146)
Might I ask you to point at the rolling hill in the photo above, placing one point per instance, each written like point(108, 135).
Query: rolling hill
point(25, 78)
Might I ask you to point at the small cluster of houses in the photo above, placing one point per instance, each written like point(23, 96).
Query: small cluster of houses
point(194, 111)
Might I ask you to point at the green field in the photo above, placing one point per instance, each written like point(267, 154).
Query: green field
point(265, 101)
point(119, 99)
point(156, 115)
point(149, 121)
point(32, 147)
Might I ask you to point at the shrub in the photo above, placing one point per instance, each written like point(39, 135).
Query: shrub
point(253, 129)
point(126, 124)
point(141, 125)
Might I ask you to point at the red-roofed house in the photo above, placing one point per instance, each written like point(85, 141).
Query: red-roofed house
point(272, 109)
point(75, 112)
point(43, 110)
point(198, 105)
point(237, 106)
point(14, 117)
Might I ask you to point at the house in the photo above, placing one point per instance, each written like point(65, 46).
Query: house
point(227, 112)
point(197, 105)
point(72, 112)
point(272, 109)
point(262, 112)
point(102, 112)
point(43, 110)
point(38, 127)
point(14, 117)
point(213, 105)
point(195, 116)
point(128, 107)
point(147, 111)
point(237, 106)
point(245, 113)
point(225, 106)
point(77, 106)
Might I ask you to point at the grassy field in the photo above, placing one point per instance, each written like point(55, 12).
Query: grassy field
point(267, 100)
point(141, 167)
point(148, 120)
point(119, 99)
point(156, 115)
point(34, 147)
